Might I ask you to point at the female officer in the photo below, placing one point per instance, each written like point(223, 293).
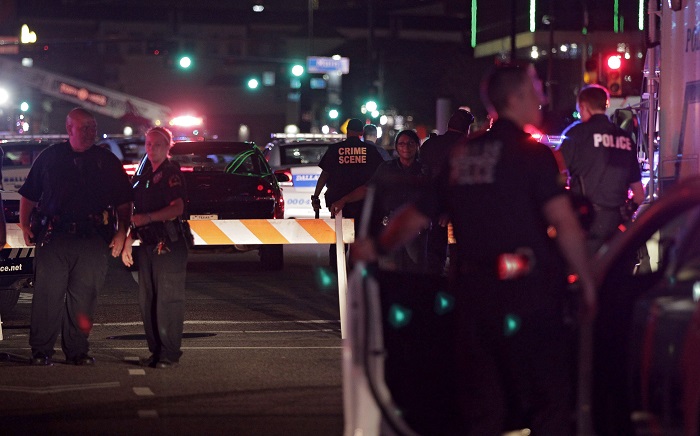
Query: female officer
point(159, 202)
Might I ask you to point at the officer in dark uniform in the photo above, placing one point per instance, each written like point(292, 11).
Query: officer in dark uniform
point(503, 192)
point(397, 182)
point(70, 194)
point(346, 166)
point(159, 202)
point(601, 159)
point(434, 154)
point(602, 162)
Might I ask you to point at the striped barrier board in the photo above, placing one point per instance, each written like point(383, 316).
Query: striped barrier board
point(240, 232)
point(237, 232)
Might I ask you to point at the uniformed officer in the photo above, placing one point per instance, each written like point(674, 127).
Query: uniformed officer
point(66, 210)
point(346, 166)
point(503, 192)
point(602, 162)
point(159, 202)
point(434, 154)
point(601, 159)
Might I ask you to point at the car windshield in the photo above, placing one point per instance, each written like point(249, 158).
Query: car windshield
point(302, 154)
point(245, 162)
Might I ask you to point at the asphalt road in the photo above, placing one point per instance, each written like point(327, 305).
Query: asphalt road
point(262, 356)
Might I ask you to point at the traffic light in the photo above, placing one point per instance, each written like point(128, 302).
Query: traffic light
point(24, 106)
point(590, 75)
point(184, 62)
point(614, 75)
point(253, 83)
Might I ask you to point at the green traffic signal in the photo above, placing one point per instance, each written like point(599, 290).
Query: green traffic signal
point(253, 83)
point(185, 62)
point(24, 106)
point(297, 70)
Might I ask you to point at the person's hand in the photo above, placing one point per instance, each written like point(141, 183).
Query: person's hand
point(363, 250)
point(127, 258)
point(117, 243)
point(337, 207)
point(28, 236)
point(315, 203)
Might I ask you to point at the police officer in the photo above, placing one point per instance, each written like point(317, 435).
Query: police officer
point(346, 166)
point(159, 202)
point(369, 136)
point(602, 162)
point(601, 159)
point(69, 193)
point(434, 154)
point(502, 191)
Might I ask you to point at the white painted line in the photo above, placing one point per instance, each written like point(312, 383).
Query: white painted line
point(137, 372)
point(238, 348)
point(143, 392)
point(148, 413)
point(60, 388)
point(132, 359)
point(208, 322)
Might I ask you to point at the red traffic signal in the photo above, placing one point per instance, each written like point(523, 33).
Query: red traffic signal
point(614, 62)
point(614, 75)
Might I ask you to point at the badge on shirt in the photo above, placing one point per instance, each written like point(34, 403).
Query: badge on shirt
point(157, 177)
point(174, 181)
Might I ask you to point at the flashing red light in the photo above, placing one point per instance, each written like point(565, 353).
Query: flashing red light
point(260, 187)
point(187, 169)
point(614, 62)
point(130, 169)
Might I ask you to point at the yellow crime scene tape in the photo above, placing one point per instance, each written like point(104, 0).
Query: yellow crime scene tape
point(245, 232)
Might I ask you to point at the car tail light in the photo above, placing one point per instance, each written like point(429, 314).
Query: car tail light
point(279, 207)
point(287, 172)
point(130, 169)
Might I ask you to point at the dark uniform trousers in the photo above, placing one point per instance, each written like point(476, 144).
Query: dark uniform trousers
point(163, 314)
point(514, 355)
point(69, 271)
point(605, 223)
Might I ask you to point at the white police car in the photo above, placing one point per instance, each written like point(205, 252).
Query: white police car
point(297, 156)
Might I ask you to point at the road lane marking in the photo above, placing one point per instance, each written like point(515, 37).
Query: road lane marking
point(148, 413)
point(209, 322)
point(238, 348)
point(143, 392)
point(60, 388)
point(137, 372)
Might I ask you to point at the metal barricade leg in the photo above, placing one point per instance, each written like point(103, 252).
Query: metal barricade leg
point(342, 271)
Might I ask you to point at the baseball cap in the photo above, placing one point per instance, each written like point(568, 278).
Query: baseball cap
point(461, 120)
point(355, 125)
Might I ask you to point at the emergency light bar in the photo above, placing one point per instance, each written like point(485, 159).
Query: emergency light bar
point(307, 136)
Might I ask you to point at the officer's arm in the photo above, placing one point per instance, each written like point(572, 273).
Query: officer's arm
point(25, 211)
point(572, 242)
point(638, 195)
point(402, 228)
point(321, 182)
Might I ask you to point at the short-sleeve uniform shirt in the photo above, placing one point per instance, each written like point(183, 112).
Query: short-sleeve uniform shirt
point(350, 164)
point(75, 185)
point(601, 159)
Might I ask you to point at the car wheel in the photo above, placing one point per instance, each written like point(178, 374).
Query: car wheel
point(9, 296)
point(272, 257)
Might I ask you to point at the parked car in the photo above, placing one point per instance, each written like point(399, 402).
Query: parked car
point(230, 181)
point(651, 310)
point(297, 156)
point(129, 149)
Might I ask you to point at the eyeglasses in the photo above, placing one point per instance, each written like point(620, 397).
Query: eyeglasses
point(407, 143)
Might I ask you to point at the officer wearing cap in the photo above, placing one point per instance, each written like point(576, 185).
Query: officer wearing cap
point(65, 209)
point(434, 154)
point(346, 166)
point(601, 159)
